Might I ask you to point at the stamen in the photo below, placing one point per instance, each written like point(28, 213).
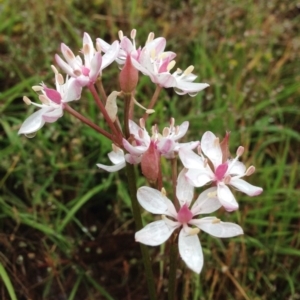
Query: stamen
point(172, 122)
point(26, 100)
point(177, 130)
point(193, 231)
point(98, 47)
point(165, 132)
point(37, 88)
point(150, 37)
point(44, 99)
point(121, 35)
point(227, 179)
point(86, 49)
point(142, 123)
point(148, 111)
point(189, 70)
point(216, 221)
point(240, 150)
point(77, 72)
point(54, 69)
point(171, 65)
point(250, 171)
point(205, 162)
point(133, 34)
point(212, 194)
point(59, 79)
point(163, 192)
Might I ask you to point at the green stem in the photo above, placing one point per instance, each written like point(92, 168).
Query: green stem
point(172, 272)
point(139, 224)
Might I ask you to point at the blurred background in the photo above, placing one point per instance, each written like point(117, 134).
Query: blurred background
point(66, 229)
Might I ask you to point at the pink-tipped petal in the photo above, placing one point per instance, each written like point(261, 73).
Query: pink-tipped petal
point(53, 95)
point(73, 91)
point(220, 171)
point(95, 67)
point(245, 187)
point(52, 115)
point(190, 251)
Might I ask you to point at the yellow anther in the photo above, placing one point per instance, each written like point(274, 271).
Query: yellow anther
point(166, 132)
point(216, 142)
point(44, 99)
point(54, 69)
point(26, 100)
point(150, 37)
point(60, 79)
point(216, 221)
point(86, 49)
point(163, 192)
point(171, 65)
point(121, 35)
point(37, 88)
point(193, 231)
point(189, 70)
point(133, 34)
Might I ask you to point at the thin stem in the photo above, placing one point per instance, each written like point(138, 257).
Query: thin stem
point(88, 122)
point(172, 272)
point(139, 224)
point(110, 123)
point(127, 108)
point(153, 100)
point(174, 181)
point(101, 90)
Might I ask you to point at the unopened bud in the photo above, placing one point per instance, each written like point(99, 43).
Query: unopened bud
point(150, 163)
point(129, 76)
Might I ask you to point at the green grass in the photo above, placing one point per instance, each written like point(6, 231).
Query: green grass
point(75, 220)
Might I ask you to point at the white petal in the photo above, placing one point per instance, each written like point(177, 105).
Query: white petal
point(134, 150)
point(64, 66)
point(226, 197)
point(211, 148)
point(218, 228)
point(114, 168)
point(183, 128)
point(199, 177)
point(117, 156)
point(236, 168)
point(190, 251)
point(184, 190)
point(190, 87)
point(34, 122)
point(153, 201)
point(154, 233)
point(110, 55)
point(245, 187)
point(132, 159)
point(54, 114)
point(190, 159)
point(96, 64)
point(207, 202)
point(73, 90)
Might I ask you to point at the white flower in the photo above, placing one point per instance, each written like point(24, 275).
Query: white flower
point(219, 169)
point(94, 62)
point(52, 105)
point(189, 245)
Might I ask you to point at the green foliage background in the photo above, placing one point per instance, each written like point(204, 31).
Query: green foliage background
point(64, 222)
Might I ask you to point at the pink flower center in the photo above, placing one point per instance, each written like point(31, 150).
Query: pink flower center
point(53, 95)
point(85, 71)
point(184, 215)
point(220, 171)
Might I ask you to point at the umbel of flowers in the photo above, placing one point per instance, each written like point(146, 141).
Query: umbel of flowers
point(206, 162)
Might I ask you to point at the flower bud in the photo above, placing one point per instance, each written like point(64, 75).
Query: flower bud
point(150, 163)
point(129, 76)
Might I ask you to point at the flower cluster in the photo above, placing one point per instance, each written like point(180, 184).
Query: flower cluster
point(132, 144)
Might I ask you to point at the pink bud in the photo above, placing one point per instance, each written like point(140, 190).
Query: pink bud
point(150, 163)
point(129, 76)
